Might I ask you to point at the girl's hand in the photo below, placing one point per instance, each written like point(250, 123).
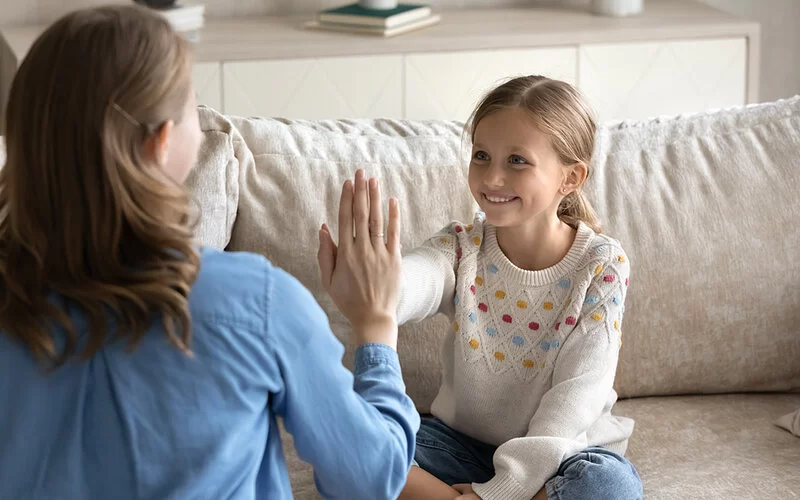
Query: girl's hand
point(466, 492)
point(362, 275)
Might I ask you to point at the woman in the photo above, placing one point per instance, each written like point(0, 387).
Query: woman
point(135, 365)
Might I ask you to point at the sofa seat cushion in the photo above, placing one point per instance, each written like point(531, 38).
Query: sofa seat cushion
point(698, 447)
point(724, 446)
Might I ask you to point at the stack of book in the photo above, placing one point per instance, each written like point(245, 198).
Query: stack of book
point(186, 18)
point(353, 18)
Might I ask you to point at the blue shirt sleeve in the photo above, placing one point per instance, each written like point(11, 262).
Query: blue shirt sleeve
point(356, 430)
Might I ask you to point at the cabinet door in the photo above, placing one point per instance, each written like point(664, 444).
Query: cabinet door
point(641, 80)
point(208, 84)
point(313, 89)
point(448, 85)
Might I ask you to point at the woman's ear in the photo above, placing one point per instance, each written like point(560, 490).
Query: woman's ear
point(574, 177)
point(156, 147)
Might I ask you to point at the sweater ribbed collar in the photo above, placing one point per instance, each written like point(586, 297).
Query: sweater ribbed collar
point(547, 276)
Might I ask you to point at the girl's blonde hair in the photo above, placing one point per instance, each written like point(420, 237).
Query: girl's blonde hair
point(559, 110)
point(87, 223)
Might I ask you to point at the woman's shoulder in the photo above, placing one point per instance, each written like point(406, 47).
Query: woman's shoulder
point(238, 285)
point(232, 270)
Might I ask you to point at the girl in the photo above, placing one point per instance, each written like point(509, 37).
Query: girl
point(134, 365)
point(536, 296)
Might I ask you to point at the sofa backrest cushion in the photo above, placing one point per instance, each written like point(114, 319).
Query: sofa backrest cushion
point(705, 206)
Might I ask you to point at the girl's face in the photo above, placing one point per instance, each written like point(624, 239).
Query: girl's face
point(514, 174)
point(184, 142)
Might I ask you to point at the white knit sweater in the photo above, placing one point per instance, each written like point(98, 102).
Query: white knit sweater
point(529, 362)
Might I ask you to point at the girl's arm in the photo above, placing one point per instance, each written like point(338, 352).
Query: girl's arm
point(583, 378)
point(428, 282)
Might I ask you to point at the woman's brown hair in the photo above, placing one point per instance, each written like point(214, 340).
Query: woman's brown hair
point(88, 222)
point(559, 110)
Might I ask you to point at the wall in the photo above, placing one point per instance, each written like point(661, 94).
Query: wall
point(780, 24)
point(780, 41)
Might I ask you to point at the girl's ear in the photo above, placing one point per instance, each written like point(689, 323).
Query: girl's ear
point(156, 147)
point(574, 177)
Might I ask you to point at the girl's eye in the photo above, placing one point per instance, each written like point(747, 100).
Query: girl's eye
point(481, 155)
point(517, 160)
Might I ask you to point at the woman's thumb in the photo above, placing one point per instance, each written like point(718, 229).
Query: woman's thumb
point(326, 256)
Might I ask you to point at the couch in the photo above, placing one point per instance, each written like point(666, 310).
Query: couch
point(706, 206)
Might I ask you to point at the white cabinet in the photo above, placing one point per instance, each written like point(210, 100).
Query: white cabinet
point(678, 56)
point(207, 80)
point(621, 80)
point(640, 80)
point(315, 88)
point(448, 85)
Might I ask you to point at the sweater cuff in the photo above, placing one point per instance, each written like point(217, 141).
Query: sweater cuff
point(502, 487)
point(372, 355)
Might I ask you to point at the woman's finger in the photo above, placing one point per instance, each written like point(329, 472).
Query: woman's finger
point(375, 214)
point(346, 215)
point(393, 229)
point(361, 208)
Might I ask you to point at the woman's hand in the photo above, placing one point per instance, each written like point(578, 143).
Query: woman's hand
point(362, 275)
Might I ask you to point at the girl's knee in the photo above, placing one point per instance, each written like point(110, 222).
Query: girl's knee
point(607, 470)
point(600, 472)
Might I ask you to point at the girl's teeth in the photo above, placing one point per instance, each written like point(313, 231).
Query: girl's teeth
point(498, 200)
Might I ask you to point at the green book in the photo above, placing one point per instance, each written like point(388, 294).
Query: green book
point(354, 14)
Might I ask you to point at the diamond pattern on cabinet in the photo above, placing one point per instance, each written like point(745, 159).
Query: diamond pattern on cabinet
point(314, 89)
point(642, 80)
point(207, 83)
point(448, 85)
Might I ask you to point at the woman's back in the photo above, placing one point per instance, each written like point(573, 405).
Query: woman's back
point(155, 423)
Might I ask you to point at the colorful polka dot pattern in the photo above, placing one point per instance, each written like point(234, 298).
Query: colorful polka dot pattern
point(520, 330)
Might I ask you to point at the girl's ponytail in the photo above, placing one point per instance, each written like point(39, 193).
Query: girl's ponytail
point(575, 208)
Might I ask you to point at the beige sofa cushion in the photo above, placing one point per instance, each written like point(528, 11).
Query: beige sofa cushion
point(698, 447)
point(790, 422)
point(714, 447)
point(214, 182)
point(707, 207)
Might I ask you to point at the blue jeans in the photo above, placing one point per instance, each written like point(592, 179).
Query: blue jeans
point(593, 474)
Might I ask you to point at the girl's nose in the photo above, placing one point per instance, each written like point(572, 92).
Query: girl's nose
point(495, 175)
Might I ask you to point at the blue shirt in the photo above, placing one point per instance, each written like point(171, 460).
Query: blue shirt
point(157, 424)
